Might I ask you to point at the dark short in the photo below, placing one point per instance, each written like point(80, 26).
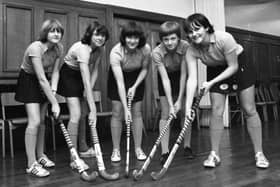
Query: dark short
point(28, 89)
point(129, 80)
point(174, 78)
point(242, 79)
point(70, 82)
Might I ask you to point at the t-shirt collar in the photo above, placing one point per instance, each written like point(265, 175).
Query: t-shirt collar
point(179, 48)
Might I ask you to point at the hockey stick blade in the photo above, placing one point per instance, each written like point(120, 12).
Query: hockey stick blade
point(110, 177)
point(88, 178)
point(158, 175)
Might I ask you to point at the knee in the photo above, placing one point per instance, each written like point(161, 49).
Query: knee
point(164, 113)
point(217, 111)
point(34, 122)
point(117, 114)
point(75, 117)
point(249, 110)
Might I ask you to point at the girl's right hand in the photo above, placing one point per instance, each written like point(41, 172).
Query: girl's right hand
point(55, 110)
point(127, 116)
point(172, 111)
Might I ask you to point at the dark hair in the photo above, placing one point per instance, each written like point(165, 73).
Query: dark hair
point(47, 26)
point(169, 27)
point(197, 20)
point(133, 29)
point(94, 27)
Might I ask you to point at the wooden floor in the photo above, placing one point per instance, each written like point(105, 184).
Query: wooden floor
point(237, 168)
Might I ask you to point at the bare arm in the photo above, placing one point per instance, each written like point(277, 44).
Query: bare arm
point(192, 80)
point(166, 84)
point(183, 77)
point(232, 63)
point(86, 81)
point(43, 81)
point(117, 71)
point(94, 74)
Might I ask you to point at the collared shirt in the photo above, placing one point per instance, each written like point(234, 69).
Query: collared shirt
point(221, 44)
point(171, 61)
point(40, 50)
point(81, 53)
point(128, 61)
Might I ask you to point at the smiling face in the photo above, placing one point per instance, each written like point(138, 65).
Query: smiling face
point(132, 42)
point(198, 34)
point(54, 36)
point(98, 39)
point(171, 41)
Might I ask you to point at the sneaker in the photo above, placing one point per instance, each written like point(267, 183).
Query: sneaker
point(79, 164)
point(212, 161)
point(163, 158)
point(87, 154)
point(261, 161)
point(37, 170)
point(188, 153)
point(116, 155)
point(46, 162)
point(140, 155)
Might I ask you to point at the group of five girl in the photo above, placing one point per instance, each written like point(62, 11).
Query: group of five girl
point(176, 60)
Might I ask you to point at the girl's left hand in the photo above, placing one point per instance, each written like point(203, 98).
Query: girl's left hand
point(177, 106)
point(206, 86)
point(92, 116)
point(131, 92)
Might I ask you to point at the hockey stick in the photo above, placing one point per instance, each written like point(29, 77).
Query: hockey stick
point(137, 174)
point(99, 158)
point(74, 155)
point(128, 139)
point(187, 123)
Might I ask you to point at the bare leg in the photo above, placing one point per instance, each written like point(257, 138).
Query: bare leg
point(247, 100)
point(162, 122)
point(116, 123)
point(216, 123)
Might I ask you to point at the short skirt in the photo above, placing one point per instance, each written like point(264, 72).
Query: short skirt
point(242, 79)
point(174, 78)
point(70, 82)
point(129, 80)
point(28, 89)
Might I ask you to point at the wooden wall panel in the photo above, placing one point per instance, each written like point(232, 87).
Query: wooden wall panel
point(18, 31)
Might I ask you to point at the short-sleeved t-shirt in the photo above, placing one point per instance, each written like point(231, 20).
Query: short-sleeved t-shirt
point(40, 50)
point(171, 61)
point(81, 53)
point(128, 61)
point(221, 44)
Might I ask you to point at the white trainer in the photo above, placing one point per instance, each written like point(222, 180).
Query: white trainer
point(261, 160)
point(116, 155)
point(212, 161)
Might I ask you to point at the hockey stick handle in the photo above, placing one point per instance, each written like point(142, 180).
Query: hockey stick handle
point(128, 125)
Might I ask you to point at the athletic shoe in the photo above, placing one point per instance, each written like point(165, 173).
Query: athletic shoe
point(46, 162)
point(116, 155)
point(163, 158)
point(140, 155)
point(188, 153)
point(37, 170)
point(87, 154)
point(79, 164)
point(212, 161)
point(261, 161)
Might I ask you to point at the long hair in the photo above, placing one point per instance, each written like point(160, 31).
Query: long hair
point(47, 26)
point(98, 29)
point(169, 27)
point(133, 29)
